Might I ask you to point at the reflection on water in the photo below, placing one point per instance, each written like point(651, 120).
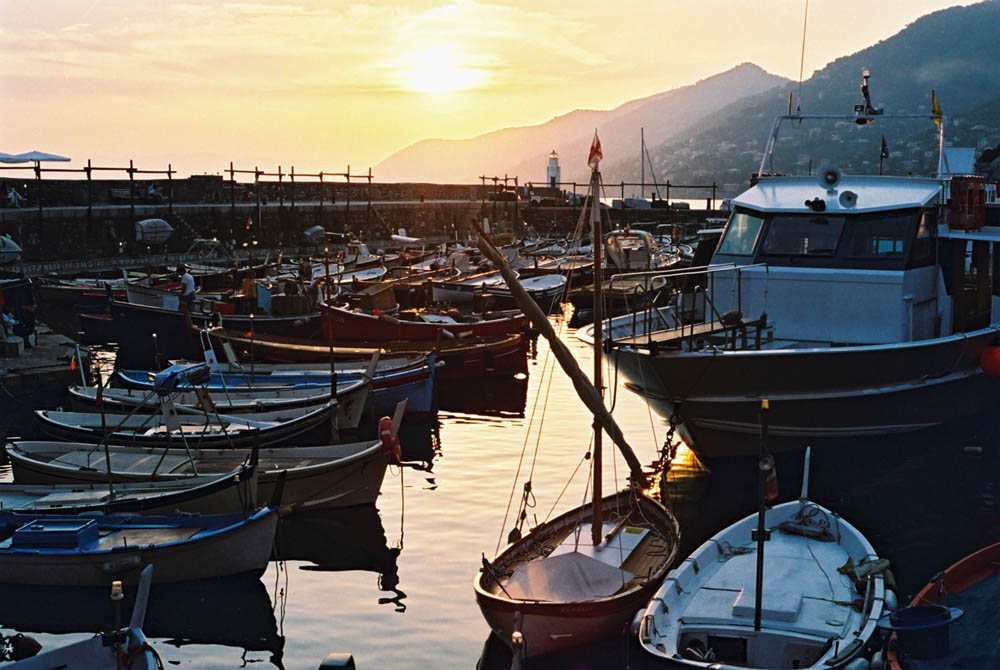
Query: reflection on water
point(345, 583)
point(233, 612)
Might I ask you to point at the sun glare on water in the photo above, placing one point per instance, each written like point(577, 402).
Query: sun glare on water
point(438, 70)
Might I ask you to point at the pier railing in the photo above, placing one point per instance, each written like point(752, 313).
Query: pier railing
point(687, 308)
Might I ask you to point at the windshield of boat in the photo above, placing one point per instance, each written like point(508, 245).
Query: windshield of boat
point(741, 234)
point(889, 240)
point(797, 235)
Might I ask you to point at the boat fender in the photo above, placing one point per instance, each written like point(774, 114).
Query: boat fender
point(876, 663)
point(636, 627)
point(989, 361)
point(390, 443)
point(890, 601)
point(122, 564)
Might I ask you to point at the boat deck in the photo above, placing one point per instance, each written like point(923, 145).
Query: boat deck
point(800, 594)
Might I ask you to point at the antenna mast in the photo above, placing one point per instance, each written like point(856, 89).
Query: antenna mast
point(802, 59)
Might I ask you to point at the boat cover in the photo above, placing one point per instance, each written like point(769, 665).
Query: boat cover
point(576, 570)
point(169, 379)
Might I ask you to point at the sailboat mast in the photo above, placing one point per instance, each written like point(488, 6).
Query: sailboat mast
point(595, 225)
point(642, 161)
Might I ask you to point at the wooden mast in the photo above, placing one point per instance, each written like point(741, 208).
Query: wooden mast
point(595, 225)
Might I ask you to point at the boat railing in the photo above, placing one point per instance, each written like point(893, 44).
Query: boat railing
point(694, 307)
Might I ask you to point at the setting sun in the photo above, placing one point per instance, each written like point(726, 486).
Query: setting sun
point(438, 70)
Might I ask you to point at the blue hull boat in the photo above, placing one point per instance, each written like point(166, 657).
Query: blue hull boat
point(413, 383)
point(92, 550)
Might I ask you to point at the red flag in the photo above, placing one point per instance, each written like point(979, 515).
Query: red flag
point(770, 478)
point(72, 363)
point(594, 159)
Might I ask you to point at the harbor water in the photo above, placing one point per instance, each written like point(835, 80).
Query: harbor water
point(392, 584)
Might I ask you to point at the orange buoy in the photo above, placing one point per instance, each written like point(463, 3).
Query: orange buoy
point(390, 443)
point(989, 361)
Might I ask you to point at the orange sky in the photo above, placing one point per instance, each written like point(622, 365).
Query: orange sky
point(319, 84)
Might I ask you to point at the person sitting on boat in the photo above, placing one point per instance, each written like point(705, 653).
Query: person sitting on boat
point(187, 286)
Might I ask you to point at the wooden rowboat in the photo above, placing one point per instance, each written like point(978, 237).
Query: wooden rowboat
point(192, 427)
point(332, 476)
point(89, 550)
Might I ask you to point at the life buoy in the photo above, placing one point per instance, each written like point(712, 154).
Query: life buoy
point(390, 443)
point(989, 361)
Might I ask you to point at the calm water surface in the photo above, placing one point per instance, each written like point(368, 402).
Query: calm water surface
point(392, 584)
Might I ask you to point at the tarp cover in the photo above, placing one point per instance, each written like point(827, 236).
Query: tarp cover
point(567, 577)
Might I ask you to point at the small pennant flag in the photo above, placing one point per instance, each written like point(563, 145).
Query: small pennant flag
point(935, 107)
point(72, 363)
point(884, 153)
point(594, 159)
point(770, 478)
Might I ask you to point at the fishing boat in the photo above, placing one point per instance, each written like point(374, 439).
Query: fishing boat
point(456, 358)
point(629, 250)
point(106, 650)
point(790, 586)
point(547, 290)
point(409, 377)
point(347, 325)
point(135, 325)
point(578, 577)
point(311, 477)
point(227, 493)
point(350, 397)
point(952, 621)
point(863, 303)
point(465, 288)
point(88, 550)
point(191, 427)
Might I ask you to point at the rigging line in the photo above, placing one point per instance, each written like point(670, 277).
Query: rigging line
point(541, 421)
point(802, 60)
point(566, 485)
point(524, 446)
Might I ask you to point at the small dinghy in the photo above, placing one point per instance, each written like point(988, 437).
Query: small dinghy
point(89, 550)
point(105, 651)
point(819, 601)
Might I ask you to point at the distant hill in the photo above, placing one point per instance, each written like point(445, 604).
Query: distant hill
point(523, 151)
point(955, 51)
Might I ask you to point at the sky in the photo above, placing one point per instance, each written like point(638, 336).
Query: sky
point(323, 84)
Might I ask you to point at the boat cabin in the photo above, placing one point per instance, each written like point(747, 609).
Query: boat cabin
point(860, 260)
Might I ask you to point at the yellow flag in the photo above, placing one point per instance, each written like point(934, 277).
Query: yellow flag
point(935, 108)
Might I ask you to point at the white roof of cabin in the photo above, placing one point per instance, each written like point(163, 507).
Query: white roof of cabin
point(789, 194)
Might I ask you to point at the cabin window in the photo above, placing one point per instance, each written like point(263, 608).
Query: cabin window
point(880, 238)
point(741, 235)
point(797, 235)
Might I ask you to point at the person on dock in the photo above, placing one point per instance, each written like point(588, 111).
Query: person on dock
point(153, 193)
point(187, 286)
point(14, 199)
